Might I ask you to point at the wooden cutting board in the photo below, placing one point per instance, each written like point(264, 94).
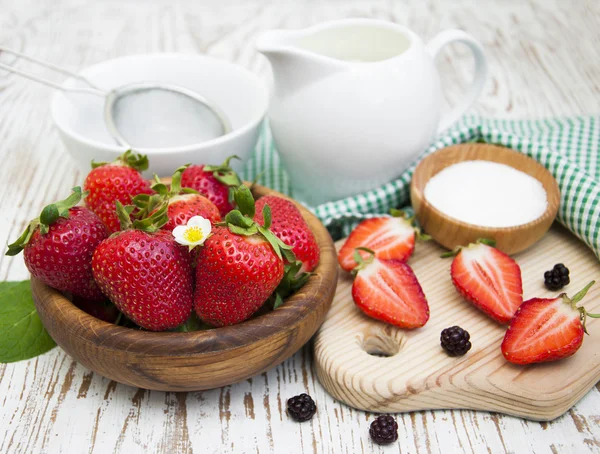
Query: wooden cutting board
point(414, 373)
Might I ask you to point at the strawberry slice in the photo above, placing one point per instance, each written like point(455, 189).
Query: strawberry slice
point(390, 238)
point(489, 279)
point(388, 290)
point(546, 329)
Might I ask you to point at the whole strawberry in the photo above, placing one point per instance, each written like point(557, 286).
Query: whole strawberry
point(119, 181)
point(239, 266)
point(290, 227)
point(182, 203)
point(546, 329)
point(58, 247)
point(216, 183)
point(145, 273)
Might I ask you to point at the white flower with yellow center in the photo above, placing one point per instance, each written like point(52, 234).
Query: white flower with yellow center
point(194, 233)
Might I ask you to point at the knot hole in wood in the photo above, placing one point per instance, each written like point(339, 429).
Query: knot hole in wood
point(382, 340)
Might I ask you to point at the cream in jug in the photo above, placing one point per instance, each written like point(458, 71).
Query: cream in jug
point(355, 101)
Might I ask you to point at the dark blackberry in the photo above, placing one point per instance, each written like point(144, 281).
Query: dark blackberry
point(557, 277)
point(455, 341)
point(301, 408)
point(384, 430)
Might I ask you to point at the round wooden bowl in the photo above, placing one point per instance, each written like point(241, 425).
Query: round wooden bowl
point(450, 232)
point(198, 360)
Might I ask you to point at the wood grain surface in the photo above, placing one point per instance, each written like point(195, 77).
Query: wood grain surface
point(202, 359)
point(544, 61)
point(451, 232)
point(375, 366)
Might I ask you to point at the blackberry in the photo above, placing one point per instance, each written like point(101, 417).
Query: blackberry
point(557, 277)
point(455, 341)
point(384, 430)
point(301, 408)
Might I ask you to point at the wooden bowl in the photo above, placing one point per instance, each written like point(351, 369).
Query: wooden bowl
point(198, 360)
point(450, 232)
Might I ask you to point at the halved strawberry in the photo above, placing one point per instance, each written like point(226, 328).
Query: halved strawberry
point(546, 329)
point(489, 279)
point(390, 237)
point(388, 290)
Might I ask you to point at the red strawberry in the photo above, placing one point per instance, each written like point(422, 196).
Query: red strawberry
point(214, 182)
point(238, 267)
point(59, 246)
point(290, 227)
point(489, 279)
point(118, 181)
point(388, 290)
point(390, 238)
point(103, 310)
point(183, 207)
point(546, 329)
point(146, 274)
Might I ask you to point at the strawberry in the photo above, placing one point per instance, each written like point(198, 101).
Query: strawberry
point(216, 183)
point(117, 181)
point(390, 237)
point(488, 278)
point(58, 247)
point(183, 203)
point(546, 329)
point(239, 266)
point(388, 290)
point(145, 273)
point(290, 227)
point(103, 310)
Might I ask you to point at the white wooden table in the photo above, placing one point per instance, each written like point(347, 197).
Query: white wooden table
point(544, 61)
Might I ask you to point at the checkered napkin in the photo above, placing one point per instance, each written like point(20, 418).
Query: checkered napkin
point(568, 147)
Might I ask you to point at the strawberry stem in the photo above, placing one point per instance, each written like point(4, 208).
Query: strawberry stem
point(136, 161)
point(487, 241)
point(583, 314)
point(362, 262)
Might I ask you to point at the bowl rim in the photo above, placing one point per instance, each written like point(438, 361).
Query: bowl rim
point(261, 89)
point(149, 343)
point(548, 215)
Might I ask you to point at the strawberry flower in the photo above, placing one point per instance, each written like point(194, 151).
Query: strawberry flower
point(194, 233)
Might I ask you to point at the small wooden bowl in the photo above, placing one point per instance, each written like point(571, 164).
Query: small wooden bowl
point(450, 232)
point(198, 360)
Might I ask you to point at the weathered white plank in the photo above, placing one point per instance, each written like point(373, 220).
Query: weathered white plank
point(543, 62)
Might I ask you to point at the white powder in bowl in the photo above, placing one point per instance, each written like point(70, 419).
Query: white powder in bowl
point(487, 194)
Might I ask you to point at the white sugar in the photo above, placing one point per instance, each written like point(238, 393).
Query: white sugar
point(487, 194)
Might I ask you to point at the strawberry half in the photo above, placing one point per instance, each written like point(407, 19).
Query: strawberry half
point(59, 244)
point(546, 329)
point(388, 290)
point(290, 227)
point(391, 238)
point(216, 183)
point(120, 181)
point(489, 279)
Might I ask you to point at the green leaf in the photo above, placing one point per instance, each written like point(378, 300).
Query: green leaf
point(238, 219)
point(278, 301)
point(272, 239)
point(22, 335)
point(193, 323)
point(245, 202)
point(266, 212)
point(49, 214)
point(246, 231)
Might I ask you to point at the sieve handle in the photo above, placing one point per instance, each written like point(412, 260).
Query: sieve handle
point(90, 89)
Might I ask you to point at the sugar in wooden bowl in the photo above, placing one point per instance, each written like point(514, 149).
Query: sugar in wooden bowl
point(470, 191)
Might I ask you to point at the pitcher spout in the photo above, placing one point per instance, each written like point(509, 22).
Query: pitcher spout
point(293, 65)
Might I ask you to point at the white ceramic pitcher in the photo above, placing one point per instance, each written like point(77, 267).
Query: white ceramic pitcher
point(355, 101)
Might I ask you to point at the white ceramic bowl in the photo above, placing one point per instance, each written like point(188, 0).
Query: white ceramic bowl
point(241, 95)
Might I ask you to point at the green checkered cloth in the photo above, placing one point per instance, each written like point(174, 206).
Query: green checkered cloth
point(568, 147)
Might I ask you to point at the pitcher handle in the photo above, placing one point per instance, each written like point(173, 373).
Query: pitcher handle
point(435, 46)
